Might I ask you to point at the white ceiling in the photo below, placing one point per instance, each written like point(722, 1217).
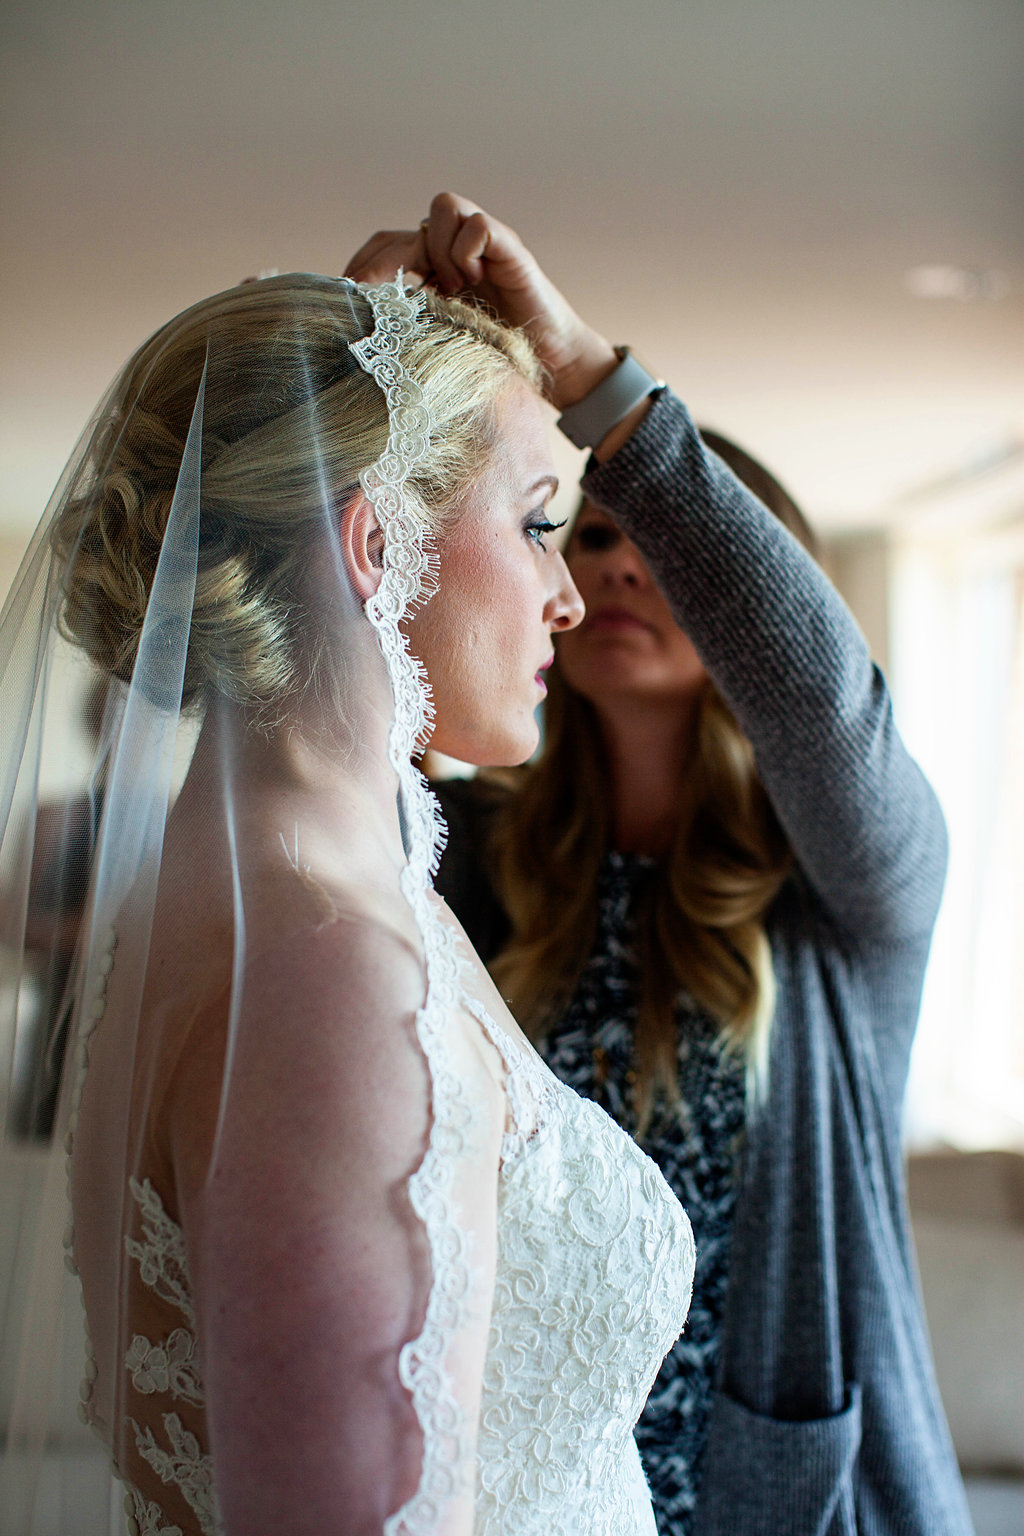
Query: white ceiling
point(736, 188)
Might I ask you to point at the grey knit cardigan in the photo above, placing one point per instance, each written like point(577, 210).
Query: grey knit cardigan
point(827, 1420)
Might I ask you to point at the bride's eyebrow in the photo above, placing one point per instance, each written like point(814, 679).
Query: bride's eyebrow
point(545, 480)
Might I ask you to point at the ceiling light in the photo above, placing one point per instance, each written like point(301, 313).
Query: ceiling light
point(941, 281)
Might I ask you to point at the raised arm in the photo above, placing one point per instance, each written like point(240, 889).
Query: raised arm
point(311, 1270)
point(793, 666)
point(772, 631)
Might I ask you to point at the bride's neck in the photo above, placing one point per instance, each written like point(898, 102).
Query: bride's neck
point(339, 780)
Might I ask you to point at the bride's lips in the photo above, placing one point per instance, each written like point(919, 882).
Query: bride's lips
point(538, 676)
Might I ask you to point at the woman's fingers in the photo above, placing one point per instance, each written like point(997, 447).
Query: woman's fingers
point(441, 229)
point(473, 250)
point(445, 248)
point(380, 258)
point(469, 249)
point(462, 249)
point(459, 248)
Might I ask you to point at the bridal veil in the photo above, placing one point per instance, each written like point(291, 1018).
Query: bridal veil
point(189, 577)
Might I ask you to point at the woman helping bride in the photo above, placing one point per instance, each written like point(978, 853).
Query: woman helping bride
point(351, 1257)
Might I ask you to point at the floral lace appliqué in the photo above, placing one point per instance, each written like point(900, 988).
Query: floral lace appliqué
point(184, 1467)
point(161, 1258)
point(170, 1368)
point(146, 1518)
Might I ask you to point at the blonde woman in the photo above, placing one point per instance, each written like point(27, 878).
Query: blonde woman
point(710, 901)
point(352, 1259)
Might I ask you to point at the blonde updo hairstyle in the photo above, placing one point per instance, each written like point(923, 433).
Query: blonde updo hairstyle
point(289, 419)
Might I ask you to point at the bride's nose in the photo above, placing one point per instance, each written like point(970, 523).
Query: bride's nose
point(564, 608)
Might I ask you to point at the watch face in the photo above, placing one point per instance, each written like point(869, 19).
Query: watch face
point(591, 419)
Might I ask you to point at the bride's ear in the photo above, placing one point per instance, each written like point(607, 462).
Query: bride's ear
point(362, 545)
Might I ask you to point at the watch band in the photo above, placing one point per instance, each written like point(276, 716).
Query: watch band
point(591, 419)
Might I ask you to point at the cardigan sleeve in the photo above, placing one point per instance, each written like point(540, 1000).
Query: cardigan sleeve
point(794, 668)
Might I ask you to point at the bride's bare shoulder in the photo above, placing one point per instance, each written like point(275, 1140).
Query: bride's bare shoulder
point(318, 1027)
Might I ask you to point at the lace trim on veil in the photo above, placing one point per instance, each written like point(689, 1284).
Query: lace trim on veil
point(409, 578)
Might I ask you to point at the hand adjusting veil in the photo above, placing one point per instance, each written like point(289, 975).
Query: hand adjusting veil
point(197, 560)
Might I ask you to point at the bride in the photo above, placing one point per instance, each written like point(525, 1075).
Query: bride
point(351, 1258)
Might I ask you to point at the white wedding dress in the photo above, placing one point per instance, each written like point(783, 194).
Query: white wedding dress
point(594, 1254)
point(594, 1270)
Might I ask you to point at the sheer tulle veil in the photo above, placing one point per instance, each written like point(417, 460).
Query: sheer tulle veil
point(190, 578)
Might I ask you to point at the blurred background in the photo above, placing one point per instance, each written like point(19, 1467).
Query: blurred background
point(807, 216)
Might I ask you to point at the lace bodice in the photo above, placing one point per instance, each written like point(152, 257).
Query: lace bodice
point(594, 1270)
point(595, 1267)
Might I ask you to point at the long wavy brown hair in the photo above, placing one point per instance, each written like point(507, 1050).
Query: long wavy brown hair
point(700, 922)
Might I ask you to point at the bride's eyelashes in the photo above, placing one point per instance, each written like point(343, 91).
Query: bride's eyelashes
point(537, 527)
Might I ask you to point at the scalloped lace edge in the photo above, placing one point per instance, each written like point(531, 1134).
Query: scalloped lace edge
point(409, 578)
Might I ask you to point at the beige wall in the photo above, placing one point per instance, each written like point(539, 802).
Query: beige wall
point(859, 564)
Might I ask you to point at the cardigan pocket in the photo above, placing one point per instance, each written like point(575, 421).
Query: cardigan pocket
point(778, 1477)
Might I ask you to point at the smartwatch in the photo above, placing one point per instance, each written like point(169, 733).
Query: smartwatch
point(590, 420)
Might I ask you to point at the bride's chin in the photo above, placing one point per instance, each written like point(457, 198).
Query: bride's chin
point(504, 747)
point(512, 753)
